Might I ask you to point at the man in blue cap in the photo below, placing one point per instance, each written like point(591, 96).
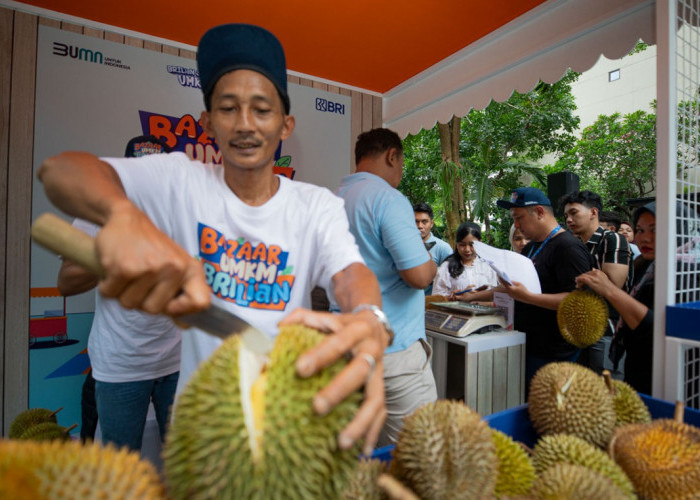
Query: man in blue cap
point(559, 258)
point(261, 241)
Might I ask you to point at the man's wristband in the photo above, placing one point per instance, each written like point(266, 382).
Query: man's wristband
point(380, 315)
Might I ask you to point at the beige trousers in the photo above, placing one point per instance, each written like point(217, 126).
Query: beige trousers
point(409, 384)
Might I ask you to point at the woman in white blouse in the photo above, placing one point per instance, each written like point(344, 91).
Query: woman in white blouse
point(464, 271)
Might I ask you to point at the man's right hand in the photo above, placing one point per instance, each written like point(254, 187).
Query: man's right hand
point(145, 269)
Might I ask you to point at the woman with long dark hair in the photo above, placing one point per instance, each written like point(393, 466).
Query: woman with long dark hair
point(464, 270)
point(635, 329)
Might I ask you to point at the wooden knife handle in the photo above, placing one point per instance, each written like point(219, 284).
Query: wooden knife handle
point(60, 237)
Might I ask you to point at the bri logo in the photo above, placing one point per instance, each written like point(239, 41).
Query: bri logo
point(329, 106)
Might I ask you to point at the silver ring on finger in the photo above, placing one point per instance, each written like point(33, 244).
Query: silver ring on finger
point(370, 361)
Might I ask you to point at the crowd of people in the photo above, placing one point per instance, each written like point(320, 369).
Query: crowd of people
point(599, 251)
point(160, 221)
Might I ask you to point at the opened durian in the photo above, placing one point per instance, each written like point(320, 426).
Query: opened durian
point(563, 448)
point(582, 317)
point(245, 427)
point(571, 399)
point(58, 470)
point(29, 418)
point(516, 473)
point(629, 407)
point(445, 450)
point(661, 458)
point(575, 482)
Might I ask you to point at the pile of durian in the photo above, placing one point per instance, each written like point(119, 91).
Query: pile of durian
point(244, 428)
point(596, 441)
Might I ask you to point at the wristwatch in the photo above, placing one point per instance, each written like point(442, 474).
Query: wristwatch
point(380, 315)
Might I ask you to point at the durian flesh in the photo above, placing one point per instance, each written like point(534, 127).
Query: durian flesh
point(237, 435)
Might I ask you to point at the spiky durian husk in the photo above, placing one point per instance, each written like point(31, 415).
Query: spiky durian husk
point(207, 452)
point(661, 458)
point(57, 470)
point(516, 472)
point(445, 450)
point(563, 448)
point(571, 399)
point(30, 418)
point(582, 318)
point(575, 482)
point(363, 484)
point(629, 407)
point(45, 431)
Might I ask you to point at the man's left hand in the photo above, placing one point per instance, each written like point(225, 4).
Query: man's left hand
point(365, 338)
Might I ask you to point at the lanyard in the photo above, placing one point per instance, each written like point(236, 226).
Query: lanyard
point(546, 240)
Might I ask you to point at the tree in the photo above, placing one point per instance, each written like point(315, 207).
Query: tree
point(616, 158)
point(497, 147)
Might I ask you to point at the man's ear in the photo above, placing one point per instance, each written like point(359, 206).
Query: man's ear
point(393, 156)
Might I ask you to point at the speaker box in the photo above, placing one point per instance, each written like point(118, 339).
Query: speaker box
point(560, 184)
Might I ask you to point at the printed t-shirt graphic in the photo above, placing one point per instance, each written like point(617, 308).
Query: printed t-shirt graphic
point(248, 274)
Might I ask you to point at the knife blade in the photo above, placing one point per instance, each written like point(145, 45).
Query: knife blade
point(60, 237)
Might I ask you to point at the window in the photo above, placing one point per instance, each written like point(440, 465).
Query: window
point(614, 75)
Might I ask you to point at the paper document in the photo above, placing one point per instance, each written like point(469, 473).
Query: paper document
point(510, 266)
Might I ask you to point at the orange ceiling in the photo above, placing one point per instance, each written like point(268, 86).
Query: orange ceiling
point(370, 44)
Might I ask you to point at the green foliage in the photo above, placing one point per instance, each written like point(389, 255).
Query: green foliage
point(616, 158)
point(499, 148)
point(639, 47)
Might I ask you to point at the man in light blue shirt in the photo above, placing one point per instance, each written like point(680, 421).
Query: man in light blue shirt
point(439, 249)
point(391, 246)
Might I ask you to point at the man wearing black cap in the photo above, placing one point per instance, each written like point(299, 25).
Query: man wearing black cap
point(558, 258)
point(261, 242)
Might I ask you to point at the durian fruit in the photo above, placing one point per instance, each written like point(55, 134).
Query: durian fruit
point(445, 450)
point(516, 472)
point(571, 399)
point(244, 427)
point(59, 470)
point(364, 483)
point(575, 482)
point(563, 448)
point(582, 317)
point(629, 407)
point(662, 458)
point(30, 417)
point(46, 431)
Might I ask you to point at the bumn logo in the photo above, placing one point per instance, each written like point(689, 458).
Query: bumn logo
point(61, 49)
point(329, 106)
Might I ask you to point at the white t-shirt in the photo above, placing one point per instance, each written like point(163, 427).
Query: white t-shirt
point(127, 345)
point(261, 262)
point(478, 274)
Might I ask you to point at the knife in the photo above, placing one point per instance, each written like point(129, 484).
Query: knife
point(58, 236)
